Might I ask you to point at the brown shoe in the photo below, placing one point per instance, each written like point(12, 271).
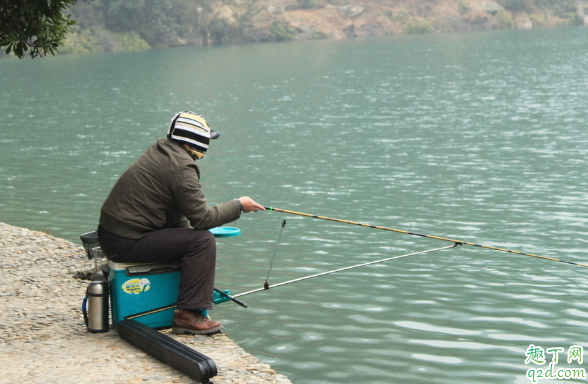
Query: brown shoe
point(194, 323)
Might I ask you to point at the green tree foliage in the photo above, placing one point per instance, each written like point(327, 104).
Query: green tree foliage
point(561, 8)
point(33, 27)
point(417, 27)
point(463, 7)
point(169, 22)
point(505, 19)
point(307, 4)
point(516, 5)
point(152, 19)
point(281, 31)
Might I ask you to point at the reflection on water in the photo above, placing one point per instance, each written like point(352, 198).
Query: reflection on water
point(477, 137)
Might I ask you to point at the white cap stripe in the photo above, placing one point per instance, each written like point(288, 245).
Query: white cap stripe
point(190, 121)
point(189, 128)
point(194, 142)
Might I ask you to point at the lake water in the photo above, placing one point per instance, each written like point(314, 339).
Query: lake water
point(480, 137)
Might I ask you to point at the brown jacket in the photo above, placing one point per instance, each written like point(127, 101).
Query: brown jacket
point(162, 190)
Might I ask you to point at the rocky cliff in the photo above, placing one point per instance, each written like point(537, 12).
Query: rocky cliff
point(338, 19)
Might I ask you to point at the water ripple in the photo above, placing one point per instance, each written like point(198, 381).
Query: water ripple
point(479, 137)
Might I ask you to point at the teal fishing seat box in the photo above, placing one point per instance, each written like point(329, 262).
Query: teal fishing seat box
point(138, 288)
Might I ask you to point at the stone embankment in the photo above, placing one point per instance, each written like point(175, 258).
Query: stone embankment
point(43, 338)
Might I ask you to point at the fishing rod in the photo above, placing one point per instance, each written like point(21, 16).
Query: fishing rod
point(421, 235)
point(216, 300)
point(266, 286)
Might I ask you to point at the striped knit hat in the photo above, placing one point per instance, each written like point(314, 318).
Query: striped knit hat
point(192, 130)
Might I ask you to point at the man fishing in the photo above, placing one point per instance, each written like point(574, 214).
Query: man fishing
point(157, 212)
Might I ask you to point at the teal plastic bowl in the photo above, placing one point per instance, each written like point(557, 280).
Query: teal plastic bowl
point(225, 231)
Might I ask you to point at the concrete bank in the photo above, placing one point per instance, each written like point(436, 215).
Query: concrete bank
point(43, 338)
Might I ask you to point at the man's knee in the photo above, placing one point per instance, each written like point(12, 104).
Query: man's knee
point(203, 241)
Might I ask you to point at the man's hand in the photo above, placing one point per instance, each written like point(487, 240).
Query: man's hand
point(249, 205)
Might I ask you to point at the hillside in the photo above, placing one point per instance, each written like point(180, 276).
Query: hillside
point(363, 18)
point(119, 25)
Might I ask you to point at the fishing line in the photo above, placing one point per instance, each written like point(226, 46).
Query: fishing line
point(342, 269)
point(421, 235)
point(234, 299)
point(266, 284)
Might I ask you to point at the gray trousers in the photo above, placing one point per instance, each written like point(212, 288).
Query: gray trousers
point(194, 249)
